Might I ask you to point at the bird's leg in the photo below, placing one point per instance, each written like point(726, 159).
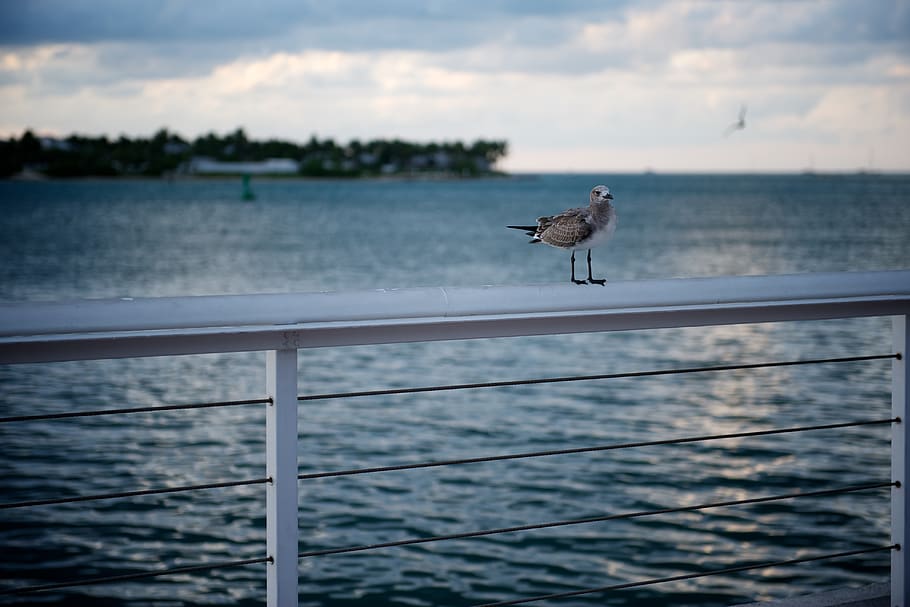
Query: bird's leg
point(591, 279)
point(578, 282)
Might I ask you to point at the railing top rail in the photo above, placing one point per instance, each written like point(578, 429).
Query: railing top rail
point(88, 329)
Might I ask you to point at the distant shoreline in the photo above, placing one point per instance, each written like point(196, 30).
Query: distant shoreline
point(36, 177)
point(426, 177)
point(168, 155)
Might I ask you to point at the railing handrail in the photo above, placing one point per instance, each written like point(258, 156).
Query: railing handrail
point(280, 324)
point(53, 331)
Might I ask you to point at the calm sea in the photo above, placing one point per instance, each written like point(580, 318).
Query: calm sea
point(101, 239)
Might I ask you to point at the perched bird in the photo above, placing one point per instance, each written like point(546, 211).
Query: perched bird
point(739, 124)
point(580, 228)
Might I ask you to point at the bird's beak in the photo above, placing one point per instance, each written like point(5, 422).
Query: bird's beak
point(609, 196)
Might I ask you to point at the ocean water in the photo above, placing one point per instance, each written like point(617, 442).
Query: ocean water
point(98, 239)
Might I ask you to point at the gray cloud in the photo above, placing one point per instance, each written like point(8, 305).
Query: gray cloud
point(59, 21)
point(446, 23)
point(62, 21)
point(136, 39)
point(133, 40)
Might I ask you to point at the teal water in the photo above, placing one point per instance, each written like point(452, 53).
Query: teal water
point(91, 239)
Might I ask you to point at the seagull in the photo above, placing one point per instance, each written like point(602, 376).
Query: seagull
point(579, 228)
point(739, 124)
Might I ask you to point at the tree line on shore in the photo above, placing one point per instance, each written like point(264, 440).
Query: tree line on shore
point(167, 153)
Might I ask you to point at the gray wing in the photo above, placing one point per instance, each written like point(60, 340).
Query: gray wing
point(566, 229)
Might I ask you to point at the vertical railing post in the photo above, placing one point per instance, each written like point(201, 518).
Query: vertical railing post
point(900, 463)
point(281, 468)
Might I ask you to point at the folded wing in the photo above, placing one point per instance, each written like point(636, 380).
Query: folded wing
point(564, 230)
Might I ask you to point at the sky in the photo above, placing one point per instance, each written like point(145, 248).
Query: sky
point(572, 85)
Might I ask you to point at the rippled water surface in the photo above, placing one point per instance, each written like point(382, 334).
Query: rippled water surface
point(98, 239)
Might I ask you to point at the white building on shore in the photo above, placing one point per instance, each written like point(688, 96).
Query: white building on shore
point(202, 165)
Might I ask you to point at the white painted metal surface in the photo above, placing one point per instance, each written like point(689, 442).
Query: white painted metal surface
point(281, 324)
point(194, 325)
point(900, 464)
point(281, 468)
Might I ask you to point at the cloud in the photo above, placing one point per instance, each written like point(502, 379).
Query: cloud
point(451, 23)
point(58, 21)
point(658, 79)
point(62, 21)
point(166, 39)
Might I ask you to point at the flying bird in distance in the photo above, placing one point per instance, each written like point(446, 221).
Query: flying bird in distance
point(739, 124)
point(578, 228)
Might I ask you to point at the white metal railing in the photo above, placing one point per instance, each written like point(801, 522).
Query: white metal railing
point(283, 323)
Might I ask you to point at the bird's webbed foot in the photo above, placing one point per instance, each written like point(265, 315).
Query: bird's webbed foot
point(591, 279)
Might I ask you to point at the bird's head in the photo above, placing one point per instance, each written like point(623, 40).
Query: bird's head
point(601, 193)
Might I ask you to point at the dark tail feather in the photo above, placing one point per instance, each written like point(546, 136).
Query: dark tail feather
point(529, 230)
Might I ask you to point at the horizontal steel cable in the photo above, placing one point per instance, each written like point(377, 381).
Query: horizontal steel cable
point(690, 576)
point(136, 493)
point(473, 460)
point(630, 374)
point(237, 563)
point(592, 519)
point(414, 390)
point(135, 576)
point(668, 441)
point(97, 412)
